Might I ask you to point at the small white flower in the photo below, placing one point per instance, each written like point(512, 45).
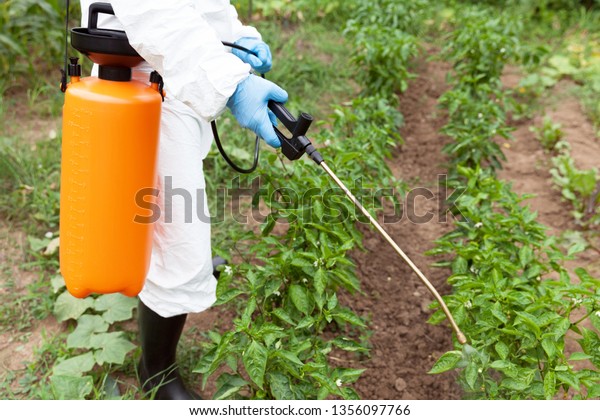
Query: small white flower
point(277, 293)
point(327, 143)
point(503, 50)
point(480, 370)
point(468, 304)
point(228, 270)
point(598, 314)
point(52, 134)
point(480, 115)
point(304, 281)
point(338, 382)
point(49, 235)
point(478, 225)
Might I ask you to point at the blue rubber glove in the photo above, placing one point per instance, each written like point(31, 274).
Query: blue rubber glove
point(249, 107)
point(261, 63)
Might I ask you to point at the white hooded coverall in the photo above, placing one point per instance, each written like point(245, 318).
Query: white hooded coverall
point(181, 39)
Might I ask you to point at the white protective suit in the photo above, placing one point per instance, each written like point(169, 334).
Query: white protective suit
point(181, 39)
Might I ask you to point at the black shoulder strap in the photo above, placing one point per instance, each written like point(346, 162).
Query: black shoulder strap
point(63, 79)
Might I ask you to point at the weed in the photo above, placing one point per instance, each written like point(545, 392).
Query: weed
point(579, 187)
point(549, 134)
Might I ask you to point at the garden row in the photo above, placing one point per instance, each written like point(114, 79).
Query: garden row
point(300, 264)
point(512, 295)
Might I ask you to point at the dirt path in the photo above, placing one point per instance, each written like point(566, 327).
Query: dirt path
point(404, 345)
point(528, 166)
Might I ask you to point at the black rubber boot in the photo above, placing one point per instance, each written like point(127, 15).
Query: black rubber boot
point(157, 369)
point(159, 336)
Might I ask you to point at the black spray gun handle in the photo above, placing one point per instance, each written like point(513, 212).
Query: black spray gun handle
point(295, 146)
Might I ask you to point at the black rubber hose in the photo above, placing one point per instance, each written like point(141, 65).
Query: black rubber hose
point(215, 131)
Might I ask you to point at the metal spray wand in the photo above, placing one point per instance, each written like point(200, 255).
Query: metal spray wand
point(295, 146)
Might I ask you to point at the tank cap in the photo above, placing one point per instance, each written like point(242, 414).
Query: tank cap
point(114, 73)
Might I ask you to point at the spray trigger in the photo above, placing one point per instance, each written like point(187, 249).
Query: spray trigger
point(295, 146)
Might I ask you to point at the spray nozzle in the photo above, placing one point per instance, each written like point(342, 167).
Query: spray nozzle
point(295, 146)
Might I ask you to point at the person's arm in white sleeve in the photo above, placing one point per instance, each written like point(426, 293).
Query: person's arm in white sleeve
point(176, 40)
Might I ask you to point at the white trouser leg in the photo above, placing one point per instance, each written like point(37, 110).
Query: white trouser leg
point(180, 278)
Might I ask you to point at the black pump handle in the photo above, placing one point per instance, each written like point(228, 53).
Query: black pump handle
point(293, 147)
point(298, 127)
point(95, 9)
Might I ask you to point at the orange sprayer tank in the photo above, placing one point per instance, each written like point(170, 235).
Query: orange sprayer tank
point(109, 150)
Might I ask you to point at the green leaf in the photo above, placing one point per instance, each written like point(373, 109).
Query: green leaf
point(568, 378)
point(305, 322)
point(323, 393)
point(549, 385)
point(525, 256)
point(320, 281)
point(248, 311)
point(71, 387)
point(446, 362)
point(300, 298)
point(326, 382)
point(116, 307)
point(57, 282)
point(228, 296)
point(255, 362)
point(332, 302)
point(280, 386)
point(348, 376)
point(36, 244)
point(595, 320)
point(514, 384)
point(549, 346)
point(288, 356)
point(69, 307)
point(301, 262)
point(348, 345)
point(531, 321)
point(497, 312)
point(112, 347)
point(471, 375)
point(221, 352)
point(460, 266)
point(347, 315)
point(228, 385)
point(594, 391)
point(272, 285)
point(75, 366)
point(579, 356)
point(502, 350)
point(87, 325)
point(283, 315)
point(576, 248)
